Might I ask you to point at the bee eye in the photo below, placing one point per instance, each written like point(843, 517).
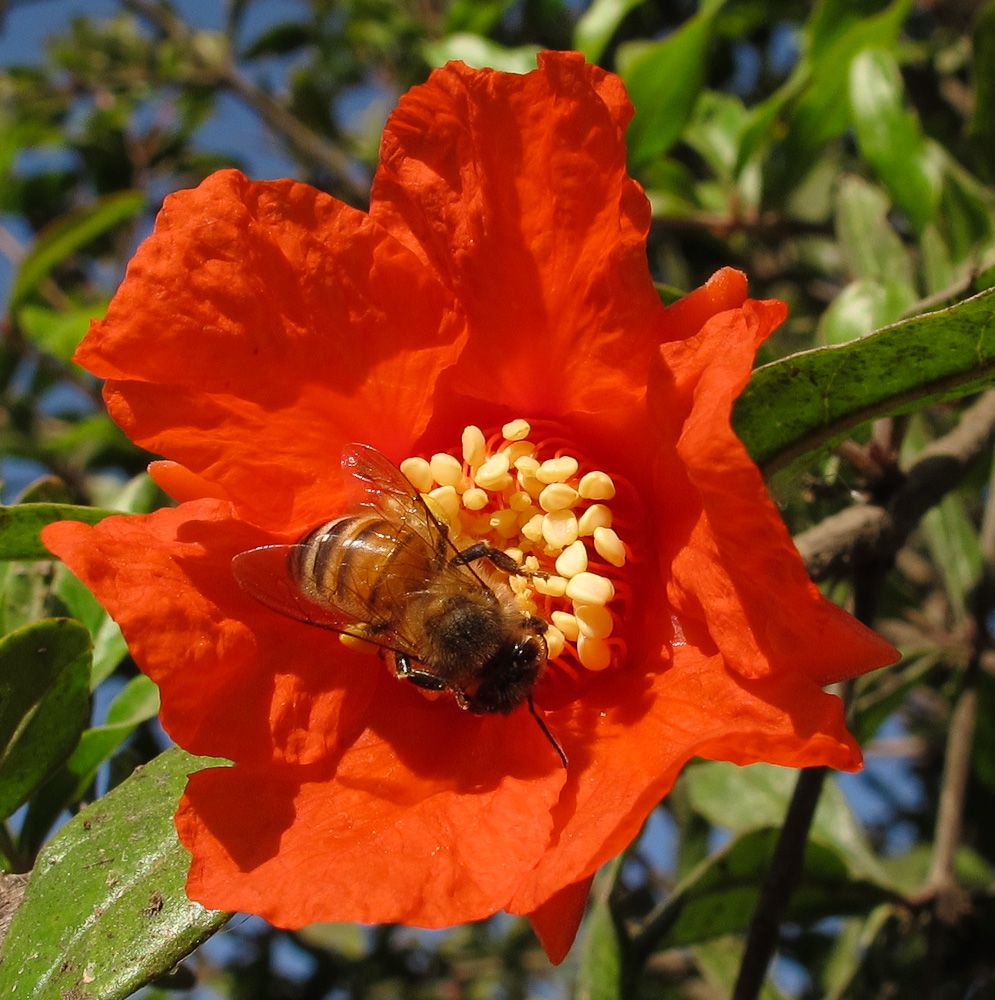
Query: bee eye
point(530, 649)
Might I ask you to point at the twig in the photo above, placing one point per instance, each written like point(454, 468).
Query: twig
point(309, 145)
point(782, 878)
point(868, 536)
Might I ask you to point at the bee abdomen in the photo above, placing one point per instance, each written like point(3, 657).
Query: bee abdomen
point(357, 561)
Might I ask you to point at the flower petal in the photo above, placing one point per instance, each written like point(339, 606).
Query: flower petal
point(257, 329)
point(514, 189)
point(431, 818)
point(724, 533)
point(237, 680)
point(556, 922)
point(629, 738)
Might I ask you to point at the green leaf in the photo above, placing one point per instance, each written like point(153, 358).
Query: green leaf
point(744, 798)
point(815, 95)
point(720, 896)
point(719, 962)
point(281, 39)
point(889, 136)
point(982, 125)
point(601, 965)
point(44, 703)
point(105, 911)
point(862, 307)
point(65, 236)
point(138, 701)
point(664, 80)
point(109, 647)
point(57, 332)
point(20, 526)
point(871, 248)
point(480, 53)
point(808, 400)
point(953, 542)
point(597, 25)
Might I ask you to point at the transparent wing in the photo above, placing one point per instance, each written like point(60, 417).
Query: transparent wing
point(263, 574)
point(386, 490)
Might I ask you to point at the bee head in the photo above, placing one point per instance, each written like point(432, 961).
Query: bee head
point(507, 678)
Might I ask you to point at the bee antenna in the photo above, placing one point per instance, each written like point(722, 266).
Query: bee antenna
point(548, 734)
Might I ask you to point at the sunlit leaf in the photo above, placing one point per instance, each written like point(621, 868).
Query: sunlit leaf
point(65, 236)
point(602, 962)
point(598, 23)
point(44, 703)
point(118, 858)
point(802, 402)
point(889, 136)
point(138, 701)
point(20, 526)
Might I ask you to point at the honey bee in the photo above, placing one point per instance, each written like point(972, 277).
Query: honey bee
point(386, 571)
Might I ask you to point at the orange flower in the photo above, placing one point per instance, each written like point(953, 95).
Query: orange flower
point(500, 273)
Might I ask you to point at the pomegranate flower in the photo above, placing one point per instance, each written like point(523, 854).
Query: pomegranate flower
point(491, 325)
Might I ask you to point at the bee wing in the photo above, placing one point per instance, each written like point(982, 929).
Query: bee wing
point(386, 489)
point(263, 574)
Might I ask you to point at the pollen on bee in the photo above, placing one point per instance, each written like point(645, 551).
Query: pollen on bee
point(551, 514)
point(359, 644)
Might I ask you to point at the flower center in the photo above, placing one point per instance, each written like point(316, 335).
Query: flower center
point(551, 512)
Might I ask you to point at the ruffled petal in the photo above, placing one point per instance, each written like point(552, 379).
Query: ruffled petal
point(237, 680)
point(514, 190)
point(556, 922)
point(258, 329)
point(723, 533)
point(630, 737)
point(432, 817)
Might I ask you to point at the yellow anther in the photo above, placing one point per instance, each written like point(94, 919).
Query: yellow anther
point(516, 554)
point(594, 620)
point(532, 529)
point(595, 654)
point(567, 624)
point(504, 522)
point(551, 586)
point(516, 430)
point(418, 472)
point(530, 485)
point(558, 496)
point(520, 501)
point(596, 516)
point(596, 486)
point(532, 564)
point(559, 528)
point(557, 470)
point(572, 560)
point(493, 474)
point(555, 641)
point(519, 450)
point(475, 499)
point(474, 446)
point(446, 500)
point(609, 546)
point(590, 588)
point(446, 470)
point(526, 464)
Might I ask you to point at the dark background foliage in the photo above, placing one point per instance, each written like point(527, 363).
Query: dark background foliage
point(841, 153)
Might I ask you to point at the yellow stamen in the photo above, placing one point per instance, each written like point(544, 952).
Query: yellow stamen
point(516, 430)
point(551, 516)
point(596, 486)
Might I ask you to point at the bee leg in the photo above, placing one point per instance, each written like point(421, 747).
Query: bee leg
point(500, 559)
point(406, 670)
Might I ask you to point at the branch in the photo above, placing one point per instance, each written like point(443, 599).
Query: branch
point(310, 146)
point(779, 886)
point(869, 536)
